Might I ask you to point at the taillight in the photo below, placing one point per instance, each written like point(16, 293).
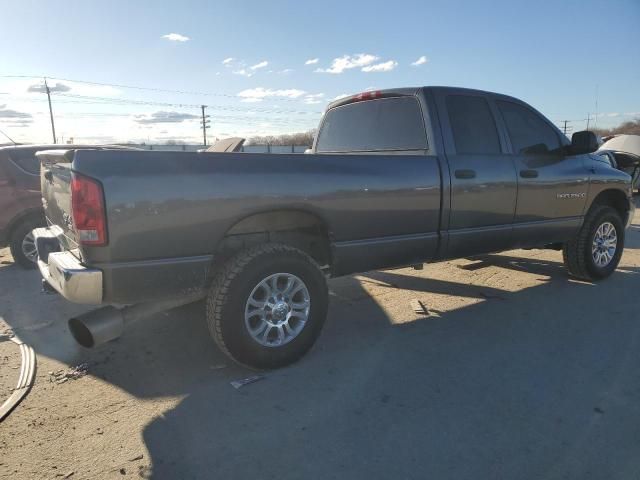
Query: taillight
point(88, 213)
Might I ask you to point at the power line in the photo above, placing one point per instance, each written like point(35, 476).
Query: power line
point(134, 87)
point(10, 139)
point(131, 101)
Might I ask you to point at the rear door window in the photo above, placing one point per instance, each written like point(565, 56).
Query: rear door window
point(374, 125)
point(472, 124)
point(529, 133)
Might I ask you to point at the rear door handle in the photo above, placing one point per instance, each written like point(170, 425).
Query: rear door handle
point(529, 173)
point(465, 174)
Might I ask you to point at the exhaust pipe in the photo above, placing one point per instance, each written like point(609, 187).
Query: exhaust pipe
point(108, 323)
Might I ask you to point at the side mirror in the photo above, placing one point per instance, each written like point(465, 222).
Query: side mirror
point(583, 142)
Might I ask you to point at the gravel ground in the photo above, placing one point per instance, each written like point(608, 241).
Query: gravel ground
point(495, 367)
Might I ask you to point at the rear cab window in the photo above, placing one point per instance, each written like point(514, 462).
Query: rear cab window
point(386, 124)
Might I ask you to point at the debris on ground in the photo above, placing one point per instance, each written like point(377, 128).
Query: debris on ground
point(246, 381)
point(219, 366)
point(138, 457)
point(419, 307)
point(71, 373)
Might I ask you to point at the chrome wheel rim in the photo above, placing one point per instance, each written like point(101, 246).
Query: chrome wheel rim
point(277, 309)
point(605, 244)
point(29, 247)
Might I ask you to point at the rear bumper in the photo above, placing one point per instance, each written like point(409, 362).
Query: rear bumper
point(64, 272)
point(123, 283)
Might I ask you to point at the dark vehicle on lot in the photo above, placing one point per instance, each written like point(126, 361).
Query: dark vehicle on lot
point(20, 199)
point(396, 178)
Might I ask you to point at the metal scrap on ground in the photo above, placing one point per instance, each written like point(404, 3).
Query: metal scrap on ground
point(419, 307)
point(246, 381)
point(71, 373)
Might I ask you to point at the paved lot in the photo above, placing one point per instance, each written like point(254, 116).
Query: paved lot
point(516, 372)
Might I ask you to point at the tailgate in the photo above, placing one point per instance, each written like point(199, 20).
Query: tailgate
point(55, 183)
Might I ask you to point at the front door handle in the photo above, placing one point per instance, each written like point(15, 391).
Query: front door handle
point(48, 175)
point(465, 174)
point(529, 173)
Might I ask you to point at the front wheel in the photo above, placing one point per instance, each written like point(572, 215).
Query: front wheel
point(595, 252)
point(267, 306)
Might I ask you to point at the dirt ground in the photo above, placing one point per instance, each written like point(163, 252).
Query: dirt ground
point(513, 370)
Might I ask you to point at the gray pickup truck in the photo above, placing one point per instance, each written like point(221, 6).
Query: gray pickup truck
point(395, 178)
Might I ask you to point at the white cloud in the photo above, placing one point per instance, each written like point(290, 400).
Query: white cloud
point(421, 61)
point(176, 37)
point(227, 61)
point(164, 117)
point(53, 87)
point(244, 72)
point(381, 67)
point(262, 64)
point(285, 71)
point(312, 61)
point(258, 94)
point(73, 87)
point(346, 62)
point(313, 98)
point(14, 114)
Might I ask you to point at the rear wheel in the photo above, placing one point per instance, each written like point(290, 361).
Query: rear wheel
point(22, 243)
point(595, 252)
point(267, 306)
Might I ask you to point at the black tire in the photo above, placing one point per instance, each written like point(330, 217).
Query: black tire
point(17, 236)
point(235, 281)
point(577, 254)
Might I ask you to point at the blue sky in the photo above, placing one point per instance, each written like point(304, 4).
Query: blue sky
point(558, 56)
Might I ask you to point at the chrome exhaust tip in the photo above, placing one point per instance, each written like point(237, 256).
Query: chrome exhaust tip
point(97, 327)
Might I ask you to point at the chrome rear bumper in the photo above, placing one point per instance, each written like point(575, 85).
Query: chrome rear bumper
point(64, 272)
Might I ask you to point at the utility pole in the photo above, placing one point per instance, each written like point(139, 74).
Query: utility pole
point(588, 120)
point(205, 124)
point(564, 129)
point(53, 127)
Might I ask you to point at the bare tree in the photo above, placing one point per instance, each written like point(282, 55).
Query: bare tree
point(631, 127)
point(304, 139)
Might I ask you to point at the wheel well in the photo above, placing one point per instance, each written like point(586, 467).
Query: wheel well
point(614, 198)
point(21, 217)
point(299, 229)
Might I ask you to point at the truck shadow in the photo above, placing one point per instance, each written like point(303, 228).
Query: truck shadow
point(513, 386)
point(537, 382)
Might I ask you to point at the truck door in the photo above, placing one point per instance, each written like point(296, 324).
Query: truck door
point(552, 187)
point(483, 178)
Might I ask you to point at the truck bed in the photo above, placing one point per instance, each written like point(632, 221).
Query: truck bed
point(168, 211)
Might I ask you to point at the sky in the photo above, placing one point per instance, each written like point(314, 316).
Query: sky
point(271, 67)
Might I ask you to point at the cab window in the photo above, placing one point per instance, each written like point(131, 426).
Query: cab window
point(529, 133)
point(473, 126)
